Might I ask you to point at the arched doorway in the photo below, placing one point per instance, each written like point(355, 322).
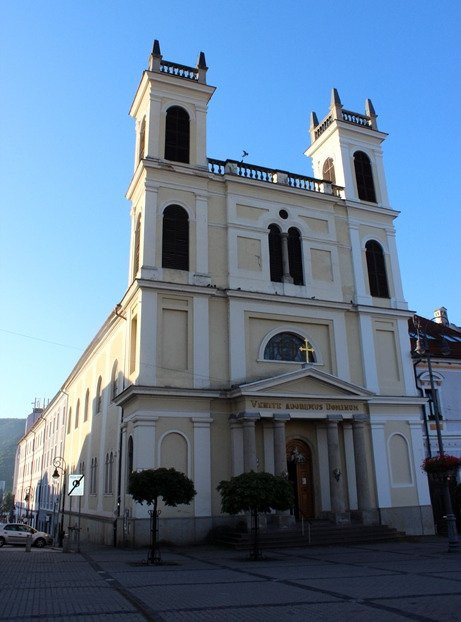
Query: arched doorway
point(299, 466)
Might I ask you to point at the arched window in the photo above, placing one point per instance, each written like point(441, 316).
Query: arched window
point(364, 177)
point(286, 347)
point(114, 387)
point(295, 256)
point(98, 397)
point(175, 243)
point(275, 254)
point(69, 420)
point(142, 139)
point(77, 412)
point(87, 401)
point(177, 130)
point(328, 171)
point(137, 242)
point(376, 266)
point(129, 462)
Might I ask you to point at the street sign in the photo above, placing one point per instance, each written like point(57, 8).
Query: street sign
point(76, 486)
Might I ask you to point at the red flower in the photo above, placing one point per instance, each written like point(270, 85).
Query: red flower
point(440, 463)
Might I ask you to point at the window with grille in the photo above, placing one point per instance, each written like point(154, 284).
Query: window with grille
point(328, 171)
point(87, 402)
point(98, 397)
point(136, 250)
point(77, 413)
point(376, 267)
point(177, 135)
point(364, 177)
point(114, 388)
point(175, 241)
point(142, 139)
point(286, 347)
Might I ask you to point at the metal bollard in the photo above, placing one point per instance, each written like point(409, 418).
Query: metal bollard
point(28, 543)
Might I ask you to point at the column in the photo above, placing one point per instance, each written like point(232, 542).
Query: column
point(148, 241)
point(201, 236)
point(249, 442)
point(280, 454)
point(357, 260)
point(202, 465)
point(338, 506)
point(201, 349)
point(236, 431)
point(285, 259)
point(364, 492)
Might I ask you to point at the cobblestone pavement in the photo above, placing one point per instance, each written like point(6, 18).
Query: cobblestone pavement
point(387, 581)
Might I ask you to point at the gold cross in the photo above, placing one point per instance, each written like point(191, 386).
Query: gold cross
point(307, 348)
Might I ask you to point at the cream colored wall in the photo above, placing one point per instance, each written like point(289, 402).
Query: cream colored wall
point(388, 357)
point(259, 325)
point(219, 346)
point(402, 464)
point(353, 349)
point(99, 434)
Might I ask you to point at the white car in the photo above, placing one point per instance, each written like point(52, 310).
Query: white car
point(16, 533)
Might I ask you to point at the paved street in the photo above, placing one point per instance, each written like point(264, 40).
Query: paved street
point(388, 581)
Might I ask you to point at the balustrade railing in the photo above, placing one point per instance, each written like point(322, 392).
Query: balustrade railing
point(182, 71)
point(272, 176)
point(354, 117)
point(323, 125)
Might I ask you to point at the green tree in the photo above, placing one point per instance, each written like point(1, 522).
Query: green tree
point(7, 503)
point(255, 492)
point(150, 485)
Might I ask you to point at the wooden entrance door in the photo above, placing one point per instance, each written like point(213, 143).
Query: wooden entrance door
point(299, 463)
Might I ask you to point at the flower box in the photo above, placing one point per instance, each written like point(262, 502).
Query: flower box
point(445, 464)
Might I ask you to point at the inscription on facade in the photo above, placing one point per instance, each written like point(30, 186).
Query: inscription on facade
point(309, 406)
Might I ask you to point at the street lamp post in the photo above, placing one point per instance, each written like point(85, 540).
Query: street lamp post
point(58, 463)
point(27, 492)
point(423, 350)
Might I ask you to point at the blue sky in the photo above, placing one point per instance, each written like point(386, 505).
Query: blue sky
point(69, 71)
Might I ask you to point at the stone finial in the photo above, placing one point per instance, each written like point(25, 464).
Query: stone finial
point(155, 57)
point(156, 48)
point(335, 105)
point(370, 112)
point(202, 68)
point(314, 120)
point(335, 100)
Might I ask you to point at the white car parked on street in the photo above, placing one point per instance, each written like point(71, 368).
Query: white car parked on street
point(16, 533)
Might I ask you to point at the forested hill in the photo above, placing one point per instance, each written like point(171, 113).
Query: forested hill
point(11, 431)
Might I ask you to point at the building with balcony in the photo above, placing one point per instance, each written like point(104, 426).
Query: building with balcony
point(263, 327)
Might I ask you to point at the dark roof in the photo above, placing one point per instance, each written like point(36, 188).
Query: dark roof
point(443, 341)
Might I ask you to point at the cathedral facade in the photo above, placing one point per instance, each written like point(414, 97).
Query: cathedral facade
point(264, 327)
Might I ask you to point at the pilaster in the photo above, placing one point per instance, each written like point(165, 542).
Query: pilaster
point(202, 465)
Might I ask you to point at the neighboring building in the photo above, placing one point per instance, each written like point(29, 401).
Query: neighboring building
point(37, 493)
point(436, 352)
point(443, 344)
point(264, 327)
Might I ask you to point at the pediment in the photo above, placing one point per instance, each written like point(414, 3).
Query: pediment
point(312, 386)
point(306, 382)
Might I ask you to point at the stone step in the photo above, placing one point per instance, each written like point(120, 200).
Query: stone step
point(320, 534)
